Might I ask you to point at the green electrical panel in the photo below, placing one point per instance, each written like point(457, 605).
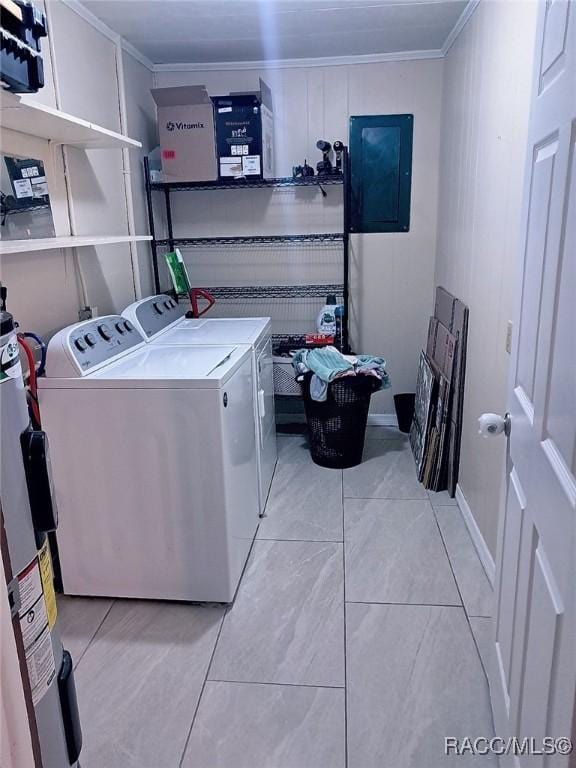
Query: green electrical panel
point(380, 173)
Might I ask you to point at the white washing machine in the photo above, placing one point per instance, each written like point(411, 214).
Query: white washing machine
point(161, 320)
point(154, 460)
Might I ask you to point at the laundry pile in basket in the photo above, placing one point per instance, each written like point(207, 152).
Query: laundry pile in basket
point(328, 364)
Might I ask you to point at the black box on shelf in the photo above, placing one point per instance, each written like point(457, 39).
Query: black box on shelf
point(21, 27)
point(245, 134)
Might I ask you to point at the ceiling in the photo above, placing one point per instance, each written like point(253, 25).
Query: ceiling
point(211, 31)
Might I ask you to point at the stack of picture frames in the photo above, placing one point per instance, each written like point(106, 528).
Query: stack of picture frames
point(437, 425)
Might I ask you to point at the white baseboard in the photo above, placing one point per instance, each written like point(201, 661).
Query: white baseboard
point(374, 419)
point(481, 547)
point(382, 420)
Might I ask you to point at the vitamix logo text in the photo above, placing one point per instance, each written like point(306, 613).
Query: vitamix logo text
point(170, 126)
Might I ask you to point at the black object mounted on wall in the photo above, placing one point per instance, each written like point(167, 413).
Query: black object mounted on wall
point(22, 25)
point(338, 147)
point(380, 172)
point(324, 166)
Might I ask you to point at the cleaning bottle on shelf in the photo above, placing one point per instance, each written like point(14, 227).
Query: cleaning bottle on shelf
point(326, 321)
point(338, 337)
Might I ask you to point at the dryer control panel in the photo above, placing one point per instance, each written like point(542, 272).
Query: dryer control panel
point(154, 314)
point(81, 348)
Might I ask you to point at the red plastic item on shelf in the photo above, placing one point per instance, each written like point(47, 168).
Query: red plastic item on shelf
point(195, 294)
point(318, 338)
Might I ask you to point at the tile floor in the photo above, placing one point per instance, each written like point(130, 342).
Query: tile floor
point(357, 638)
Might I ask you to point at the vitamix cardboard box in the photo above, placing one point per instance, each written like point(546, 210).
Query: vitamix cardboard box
point(186, 129)
point(245, 134)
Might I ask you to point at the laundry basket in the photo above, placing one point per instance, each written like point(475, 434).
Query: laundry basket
point(337, 426)
point(283, 374)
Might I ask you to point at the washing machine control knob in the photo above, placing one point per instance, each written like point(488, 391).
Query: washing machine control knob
point(120, 328)
point(79, 344)
point(128, 325)
point(90, 339)
point(158, 308)
point(104, 331)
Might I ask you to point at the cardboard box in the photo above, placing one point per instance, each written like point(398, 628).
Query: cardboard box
point(186, 129)
point(245, 134)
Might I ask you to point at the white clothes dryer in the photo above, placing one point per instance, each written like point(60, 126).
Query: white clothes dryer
point(154, 461)
point(161, 320)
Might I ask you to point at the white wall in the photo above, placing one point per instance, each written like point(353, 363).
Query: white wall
point(43, 293)
point(485, 108)
point(84, 78)
point(42, 287)
point(392, 274)
point(140, 125)
point(85, 67)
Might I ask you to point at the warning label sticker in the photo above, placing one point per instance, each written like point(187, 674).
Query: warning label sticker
point(41, 667)
point(47, 578)
point(10, 367)
point(33, 616)
point(30, 586)
point(32, 622)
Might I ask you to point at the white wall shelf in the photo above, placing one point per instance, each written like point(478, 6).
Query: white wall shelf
point(59, 127)
point(70, 241)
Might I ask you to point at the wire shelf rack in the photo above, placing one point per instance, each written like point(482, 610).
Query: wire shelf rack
point(247, 292)
point(311, 240)
point(194, 242)
point(285, 181)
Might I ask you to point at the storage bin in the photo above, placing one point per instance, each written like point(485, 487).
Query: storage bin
point(337, 427)
point(284, 381)
point(404, 405)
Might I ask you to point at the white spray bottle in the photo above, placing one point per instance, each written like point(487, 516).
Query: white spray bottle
point(326, 321)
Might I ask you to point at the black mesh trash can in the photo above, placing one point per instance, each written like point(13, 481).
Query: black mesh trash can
point(337, 427)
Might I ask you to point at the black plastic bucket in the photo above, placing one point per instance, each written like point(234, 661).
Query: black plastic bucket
point(337, 427)
point(404, 405)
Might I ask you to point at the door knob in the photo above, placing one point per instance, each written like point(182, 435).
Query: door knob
point(491, 424)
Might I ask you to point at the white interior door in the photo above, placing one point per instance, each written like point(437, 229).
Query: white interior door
point(533, 670)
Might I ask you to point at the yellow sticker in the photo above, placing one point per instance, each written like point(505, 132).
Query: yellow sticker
point(47, 577)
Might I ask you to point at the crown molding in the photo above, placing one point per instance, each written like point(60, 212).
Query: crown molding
point(459, 26)
point(327, 61)
point(135, 53)
point(105, 30)
point(94, 21)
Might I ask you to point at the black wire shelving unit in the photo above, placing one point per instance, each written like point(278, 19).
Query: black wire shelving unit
point(316, 290)
point(285, 181)
point(233, 293)
point(190, 242)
